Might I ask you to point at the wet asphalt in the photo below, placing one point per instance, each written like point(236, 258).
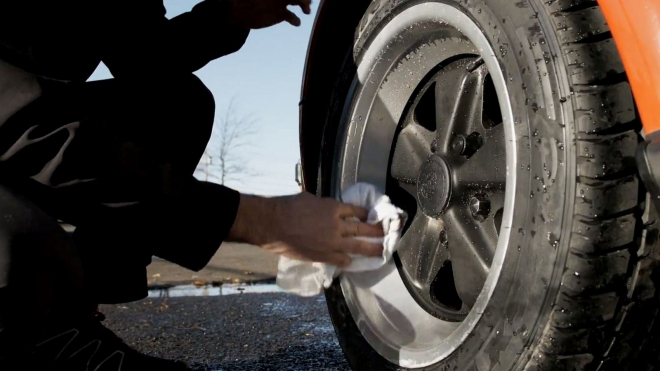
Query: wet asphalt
point(238, 332)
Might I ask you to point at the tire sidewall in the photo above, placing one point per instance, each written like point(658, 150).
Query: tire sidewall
point(521, 302)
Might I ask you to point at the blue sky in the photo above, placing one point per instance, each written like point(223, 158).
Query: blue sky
point(264, 77)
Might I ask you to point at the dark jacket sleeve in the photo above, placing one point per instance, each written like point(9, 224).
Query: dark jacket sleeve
point(137, 40)
point(186, 229)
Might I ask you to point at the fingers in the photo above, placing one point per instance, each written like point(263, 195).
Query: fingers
point(291, 18)
point(357, 247)
point(352, 228)
point(348, 211)
point(306, 5)
point(370, 230)
point(349, 228)
point(338, 259)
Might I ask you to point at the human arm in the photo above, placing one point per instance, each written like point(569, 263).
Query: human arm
point(136, 39)
point(305, 227)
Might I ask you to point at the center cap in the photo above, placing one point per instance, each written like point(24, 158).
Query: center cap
point(434, 186)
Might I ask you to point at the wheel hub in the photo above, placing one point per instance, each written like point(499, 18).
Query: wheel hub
point(434, 186)
point(455, 143)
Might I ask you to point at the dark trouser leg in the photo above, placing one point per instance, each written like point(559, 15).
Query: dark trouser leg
point(41, 275)
point(92, 149)
point(160, 133)
point(132, 143)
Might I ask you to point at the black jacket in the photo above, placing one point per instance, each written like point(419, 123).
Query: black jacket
point(66, 39)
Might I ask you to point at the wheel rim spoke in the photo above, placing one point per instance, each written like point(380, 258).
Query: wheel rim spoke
point(483, 169)
point(422, 252)
point(497, 200)
point(451, 153)
point(459, 103)
point(410, 188)
point(413, 147)
point(471, 249)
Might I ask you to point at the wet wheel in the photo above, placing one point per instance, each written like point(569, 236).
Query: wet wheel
point(507, 131)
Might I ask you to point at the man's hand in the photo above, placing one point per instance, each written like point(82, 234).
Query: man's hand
point(255, 14)
point(305, 227)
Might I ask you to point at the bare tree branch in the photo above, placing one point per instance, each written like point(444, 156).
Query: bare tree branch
point(222, 159)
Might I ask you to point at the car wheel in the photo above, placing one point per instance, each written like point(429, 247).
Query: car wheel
point(507, 131)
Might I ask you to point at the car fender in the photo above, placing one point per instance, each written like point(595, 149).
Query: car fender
point(332, 37)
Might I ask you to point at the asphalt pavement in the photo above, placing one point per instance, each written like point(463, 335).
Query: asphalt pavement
point(251, 332)
point(254, 332)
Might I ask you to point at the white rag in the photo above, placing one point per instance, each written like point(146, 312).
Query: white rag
point(309, 279)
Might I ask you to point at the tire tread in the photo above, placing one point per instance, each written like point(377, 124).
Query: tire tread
point(606, 293)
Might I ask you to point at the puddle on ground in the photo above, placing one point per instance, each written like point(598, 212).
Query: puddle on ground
point(213, 290)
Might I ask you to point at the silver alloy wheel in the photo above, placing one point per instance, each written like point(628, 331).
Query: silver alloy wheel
point(419, 47)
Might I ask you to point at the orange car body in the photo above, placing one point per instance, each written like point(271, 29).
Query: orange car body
point(635, 26)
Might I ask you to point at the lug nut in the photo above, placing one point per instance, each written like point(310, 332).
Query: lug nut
point(458, 145)
point(444, 240)
point(467, 145)
point(434, 146)
point(479, 206)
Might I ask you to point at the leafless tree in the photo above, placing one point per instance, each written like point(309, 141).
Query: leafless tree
point(224, 158)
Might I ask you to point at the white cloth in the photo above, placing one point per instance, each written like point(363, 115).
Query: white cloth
point(309, 279)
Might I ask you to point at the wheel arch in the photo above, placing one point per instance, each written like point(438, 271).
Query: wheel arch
point(332, 37)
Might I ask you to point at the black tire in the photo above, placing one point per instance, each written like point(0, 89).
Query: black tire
point(596, 310)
